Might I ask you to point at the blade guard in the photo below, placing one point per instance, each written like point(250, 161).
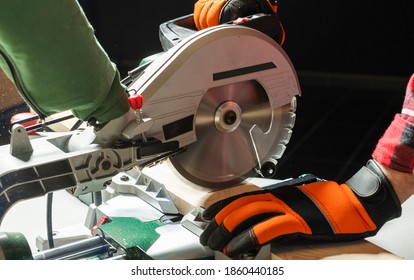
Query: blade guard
point(174, 84)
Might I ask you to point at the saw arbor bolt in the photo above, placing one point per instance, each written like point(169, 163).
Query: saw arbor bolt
point(228, 117)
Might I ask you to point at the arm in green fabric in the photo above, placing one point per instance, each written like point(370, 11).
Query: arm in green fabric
point(49, 49)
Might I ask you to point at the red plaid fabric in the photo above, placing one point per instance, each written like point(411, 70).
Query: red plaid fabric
point(395, 149)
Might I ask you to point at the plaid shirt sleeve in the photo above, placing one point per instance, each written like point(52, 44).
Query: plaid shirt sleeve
point(395, 149)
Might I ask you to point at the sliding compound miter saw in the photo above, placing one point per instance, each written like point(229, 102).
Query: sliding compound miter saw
point(218, 105)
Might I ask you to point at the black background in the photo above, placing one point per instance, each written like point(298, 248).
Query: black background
point(359, 37)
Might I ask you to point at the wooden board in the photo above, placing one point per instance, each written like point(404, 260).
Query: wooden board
point(312, 250)
point(187, 195)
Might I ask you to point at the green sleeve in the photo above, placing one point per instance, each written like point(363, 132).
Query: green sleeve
point(49, 50)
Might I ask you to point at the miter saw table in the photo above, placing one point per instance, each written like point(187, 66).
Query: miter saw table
point(164, 238)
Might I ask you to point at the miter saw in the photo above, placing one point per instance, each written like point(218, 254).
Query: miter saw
point(218, 104)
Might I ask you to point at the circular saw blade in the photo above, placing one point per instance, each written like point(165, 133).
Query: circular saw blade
point(225, 153)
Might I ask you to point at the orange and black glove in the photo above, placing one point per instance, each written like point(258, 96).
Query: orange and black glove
point(209, 13)
point(322, 210)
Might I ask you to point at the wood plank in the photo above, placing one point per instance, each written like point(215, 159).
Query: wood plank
point(313, 250)
point(187, 195)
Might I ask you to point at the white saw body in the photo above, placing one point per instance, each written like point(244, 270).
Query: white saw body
point(220, 105)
